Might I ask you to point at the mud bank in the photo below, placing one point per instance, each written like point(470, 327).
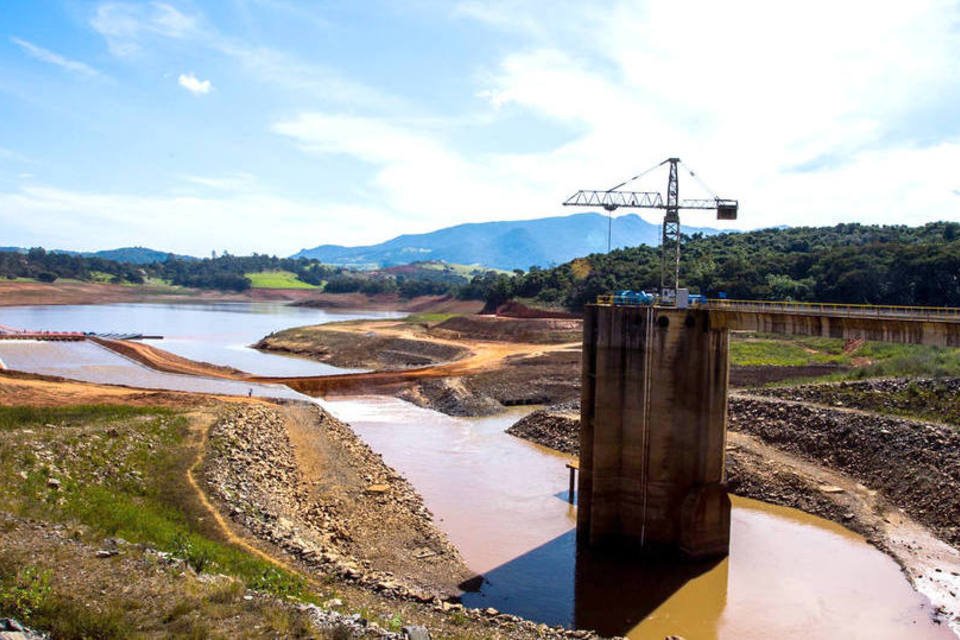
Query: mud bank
point(756, 375)
point(506, 329)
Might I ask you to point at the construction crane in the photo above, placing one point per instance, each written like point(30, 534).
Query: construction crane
point(613, 199)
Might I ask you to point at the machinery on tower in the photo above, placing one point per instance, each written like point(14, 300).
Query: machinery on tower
point(613, 199)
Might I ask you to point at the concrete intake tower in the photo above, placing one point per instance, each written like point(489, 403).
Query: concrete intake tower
point(653, 430)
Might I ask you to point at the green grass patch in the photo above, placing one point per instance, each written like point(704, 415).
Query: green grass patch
point(781, 353)
point(900, 360)
point(18, 417)
point(871, 360)
point(277, 280)
point(122, 473)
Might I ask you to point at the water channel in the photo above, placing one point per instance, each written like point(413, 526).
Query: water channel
point(502, 501)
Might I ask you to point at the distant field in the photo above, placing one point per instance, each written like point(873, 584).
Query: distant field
point(277, 280)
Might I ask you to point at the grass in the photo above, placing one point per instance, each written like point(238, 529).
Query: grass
point(26, 593)
point(122, 472)
point(277, 280)
point(899, 360)
point(18, 417)
point(872, 360)
point(785, 352)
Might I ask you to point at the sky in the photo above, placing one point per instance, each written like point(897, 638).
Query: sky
point(273, 125)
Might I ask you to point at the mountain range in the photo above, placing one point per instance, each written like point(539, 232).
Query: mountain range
point(514, 244)
point(517, 244)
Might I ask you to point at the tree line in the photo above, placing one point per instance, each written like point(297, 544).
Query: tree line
point(845, 263)
point(225, 272)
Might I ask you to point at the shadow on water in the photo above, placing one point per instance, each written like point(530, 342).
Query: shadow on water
point(556, 583)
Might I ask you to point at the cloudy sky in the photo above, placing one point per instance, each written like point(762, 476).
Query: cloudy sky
point(271, 125)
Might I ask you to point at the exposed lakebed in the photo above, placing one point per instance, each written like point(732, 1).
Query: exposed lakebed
point(502, 501)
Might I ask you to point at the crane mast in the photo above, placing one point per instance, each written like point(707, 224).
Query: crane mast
point(613, 199)
point(670, 240)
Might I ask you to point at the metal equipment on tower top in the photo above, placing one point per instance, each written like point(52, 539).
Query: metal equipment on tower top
point(613, 199)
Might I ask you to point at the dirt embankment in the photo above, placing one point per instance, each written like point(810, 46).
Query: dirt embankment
point(20, 292)
point(932, 399)
point(360, 349)
point(915, 465)
point(168, 362)
point(505, 329)
point(288, 484)
point(389, 302)
point(15, 293)
point(556, 427)
point(303, 481)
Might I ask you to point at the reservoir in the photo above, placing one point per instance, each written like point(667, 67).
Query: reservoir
point(502, 500)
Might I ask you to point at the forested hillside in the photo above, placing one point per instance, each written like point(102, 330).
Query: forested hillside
point(231, 273)
point(848, 263)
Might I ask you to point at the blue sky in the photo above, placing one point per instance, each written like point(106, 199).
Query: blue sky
point(272, 125)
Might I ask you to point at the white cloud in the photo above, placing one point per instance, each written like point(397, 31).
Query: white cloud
point(45, 55)
point(240, 181)
point(240, 222)
point(790, 109)
point(746, 93)
point(127, 27)
point(194, 85)
point(125, 24)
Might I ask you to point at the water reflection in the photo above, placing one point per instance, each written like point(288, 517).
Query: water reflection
point(556, 583)
point(669, 597)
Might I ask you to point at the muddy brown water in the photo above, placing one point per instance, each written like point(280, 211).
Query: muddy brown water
point(502, 501)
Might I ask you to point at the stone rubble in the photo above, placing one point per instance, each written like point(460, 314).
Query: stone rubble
point(251, 469)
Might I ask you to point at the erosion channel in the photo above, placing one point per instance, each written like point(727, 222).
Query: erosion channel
point(503, 502)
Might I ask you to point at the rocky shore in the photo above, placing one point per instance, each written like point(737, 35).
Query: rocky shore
point(325, 520)
point(353, 518)
point(915, 465)
point(932, 399)
point(556, 427)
